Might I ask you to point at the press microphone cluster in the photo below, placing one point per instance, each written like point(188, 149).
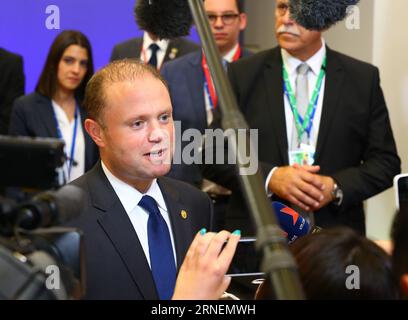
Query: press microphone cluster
point(292, 223)
point(319, 14)
point(170, 19)
point(166, 19)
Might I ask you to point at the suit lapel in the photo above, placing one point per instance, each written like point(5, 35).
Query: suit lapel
point(118, 228)
point(181, 227)
point(46, 116)
point(245, 53)
point(273, 82)
point(332, 93)
point(195, 80)
point(172, 51)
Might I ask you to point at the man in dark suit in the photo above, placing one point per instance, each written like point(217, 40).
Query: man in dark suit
point(339, 152)
point(151, 49)
point(139, 48)
point(137, 224)
point(191, 87)
point(11, 85)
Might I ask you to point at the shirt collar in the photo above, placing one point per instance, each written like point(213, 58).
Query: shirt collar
point(129, 196)
point(315, 62)
point(230, 54)
point(147, 41)
point(61, 115)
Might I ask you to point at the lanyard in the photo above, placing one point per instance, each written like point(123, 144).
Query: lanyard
point(306, 124)
point(74, 135)
point(208, 83)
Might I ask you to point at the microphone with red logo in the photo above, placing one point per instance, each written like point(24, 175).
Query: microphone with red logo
point(291, 222)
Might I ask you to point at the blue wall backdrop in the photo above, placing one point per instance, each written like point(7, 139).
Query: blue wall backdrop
point(23, 28)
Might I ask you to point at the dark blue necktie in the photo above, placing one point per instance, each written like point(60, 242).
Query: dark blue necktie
point(153, 59)
point(225, 65)
point(162, 261)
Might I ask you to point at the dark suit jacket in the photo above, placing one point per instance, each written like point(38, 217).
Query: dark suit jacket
point(116, 267)
point(12, 82)
point(185, 78)
point(355, 144)
point(32, 116)
point(132, 49)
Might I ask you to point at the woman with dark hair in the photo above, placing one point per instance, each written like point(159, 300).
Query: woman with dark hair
point(54, 109)
point(339, 264)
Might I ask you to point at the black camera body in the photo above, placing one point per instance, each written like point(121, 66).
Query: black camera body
point(46, 266)
point(38, 261)
point(30, 162)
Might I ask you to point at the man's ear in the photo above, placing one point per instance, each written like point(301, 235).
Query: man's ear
point(243, 21)
point(96, 132)
point(404, 284)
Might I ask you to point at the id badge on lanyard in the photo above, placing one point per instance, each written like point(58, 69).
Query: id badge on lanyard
point(305, 155)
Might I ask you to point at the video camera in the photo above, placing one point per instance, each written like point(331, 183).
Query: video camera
point(37, 259)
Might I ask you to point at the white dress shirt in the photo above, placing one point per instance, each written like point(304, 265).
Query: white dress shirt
point(230, 54)
point(130, 198)
point(67, 131)
point(146, 53)
point(291, 63)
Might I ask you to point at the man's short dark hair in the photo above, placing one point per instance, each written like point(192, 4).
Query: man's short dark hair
point(240, 6)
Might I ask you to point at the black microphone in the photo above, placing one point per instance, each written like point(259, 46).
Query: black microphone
point(166, 19)
point(50, 208)
point(319, 14)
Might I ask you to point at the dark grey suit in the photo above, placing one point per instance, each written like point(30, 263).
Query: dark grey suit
point(185, 77)
point(355, 145)
point(116, 266)
point(132, 49)
point(11, 85)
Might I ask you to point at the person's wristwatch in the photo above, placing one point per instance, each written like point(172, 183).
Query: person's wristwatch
point(337, 194)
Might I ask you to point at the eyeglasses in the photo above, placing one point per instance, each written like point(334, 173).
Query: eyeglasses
point(226, 19)
point(282, 8)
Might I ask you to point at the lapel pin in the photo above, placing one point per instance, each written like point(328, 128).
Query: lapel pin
point(173, 53)
point(183, 214)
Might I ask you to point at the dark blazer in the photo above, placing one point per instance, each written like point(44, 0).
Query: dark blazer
point(132, 49)
point(185, 78)
point(355, 144)
point(32, 116)
point(12, 83)
point(116, 267)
